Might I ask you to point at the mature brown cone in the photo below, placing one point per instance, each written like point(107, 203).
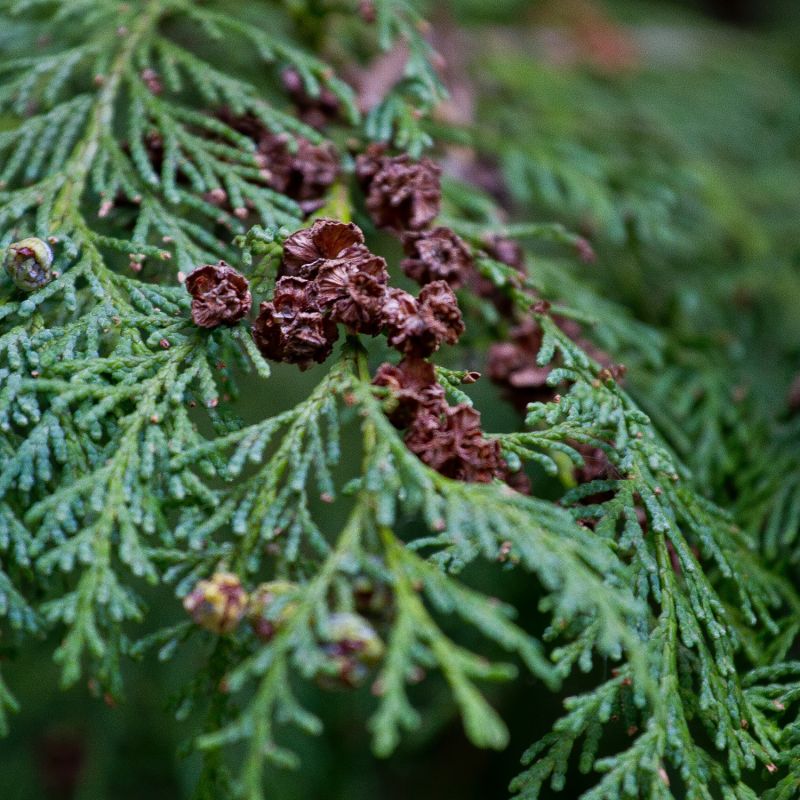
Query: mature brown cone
point(418, 327)
point(325, 239)
point(291, 328)
point(439, 304)
point(220, 295)
point(292, 165)
point(314, 111)
point(505, 250)
point(353, 289)
point(513, 365)
point(414, 388)
point(453, 444)
point(304, 175)
point(369, 163)
point(405, 328)
point(436, 255)
point(402, 194)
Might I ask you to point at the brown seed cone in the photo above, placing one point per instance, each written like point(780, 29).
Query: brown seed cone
point(439, 305)
point(405, 328)
point(402, 194)
point(454, 445)
point(513, 366)
point(369, 163)
point(291, 328)
point(353, 289)
point(436, 255)
point(414, 387)
point(506, 251)
point(304, 175)
point(220, 295)
point(325, 239)
point(314, 111)
point(418, 327)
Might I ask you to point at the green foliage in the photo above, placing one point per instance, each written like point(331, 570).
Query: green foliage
point(127, 461)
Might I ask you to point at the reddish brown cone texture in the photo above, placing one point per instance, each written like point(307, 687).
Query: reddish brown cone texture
point(513, 364)
point(315, 111)
point(293, 166)
point(449, 440)
point(353, 289)
point(402, 194)
point(304, 250)
point(304, 173)
point(414, 388)
point(435, 255)
point(454, 445)
point(220, 295)
point(419, 326)
point(291, 328)
point(329, 277)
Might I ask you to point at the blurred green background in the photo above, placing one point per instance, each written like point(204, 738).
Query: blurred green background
point(667, 132)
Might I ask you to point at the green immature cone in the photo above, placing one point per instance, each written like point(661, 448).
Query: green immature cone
point(271, 606)
point(351, 646)
point(217, 604)
point(355, 633)
point(29, 264)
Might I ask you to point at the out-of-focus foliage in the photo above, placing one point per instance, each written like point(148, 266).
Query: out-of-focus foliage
point(671, 142)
